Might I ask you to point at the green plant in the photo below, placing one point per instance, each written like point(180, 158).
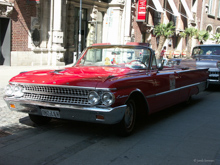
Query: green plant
point(163, 31)
point(190, 33)
point(202, 36)
point(216, 38)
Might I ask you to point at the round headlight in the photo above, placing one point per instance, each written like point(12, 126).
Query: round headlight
point(94, 98)
point(8, 90)
point(18, 91)
point(218, 65)
point(108, 99)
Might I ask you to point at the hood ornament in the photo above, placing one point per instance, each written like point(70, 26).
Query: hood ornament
point(57, 72)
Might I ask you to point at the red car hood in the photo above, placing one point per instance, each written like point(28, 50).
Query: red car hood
point(74, 76)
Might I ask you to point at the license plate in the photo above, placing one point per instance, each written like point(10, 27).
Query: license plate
point(50, 113)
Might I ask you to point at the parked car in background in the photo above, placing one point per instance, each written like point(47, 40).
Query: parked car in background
point(208, 56)
point(109, 84)
point(176, 53)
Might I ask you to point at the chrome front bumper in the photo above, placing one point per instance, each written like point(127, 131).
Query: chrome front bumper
point(108, 115)
point(211, 81)
point(214, 76)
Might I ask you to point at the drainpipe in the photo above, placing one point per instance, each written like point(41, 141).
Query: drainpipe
point(201, 24)
point(50, 42)
point(128, 21)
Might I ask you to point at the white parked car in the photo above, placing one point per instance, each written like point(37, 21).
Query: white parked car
point(208, 56)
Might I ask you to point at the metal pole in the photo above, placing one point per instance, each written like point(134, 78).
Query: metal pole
point(80, 24)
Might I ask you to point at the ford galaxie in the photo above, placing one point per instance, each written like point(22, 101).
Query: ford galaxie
point(109, 84)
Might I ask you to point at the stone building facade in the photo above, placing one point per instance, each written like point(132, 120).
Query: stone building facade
point(46, 32)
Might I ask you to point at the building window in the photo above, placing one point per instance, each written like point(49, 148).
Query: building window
point(209, 29)
point(36, 37)
point(165, 4)
point(193, 2)
point(219, 8)
point(212, 5)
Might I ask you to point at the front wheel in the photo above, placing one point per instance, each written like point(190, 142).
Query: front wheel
point(126, 126)
point(40, 120)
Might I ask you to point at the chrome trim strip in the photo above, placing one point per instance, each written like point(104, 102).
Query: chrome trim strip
point(54, 105)
point(165, 72)
point(66, 86)
point(213, 80)
point(173, 90)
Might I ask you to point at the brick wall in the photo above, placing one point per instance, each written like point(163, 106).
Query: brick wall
point(21, 20)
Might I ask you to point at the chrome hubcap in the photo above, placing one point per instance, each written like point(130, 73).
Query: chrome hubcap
point(129, 116)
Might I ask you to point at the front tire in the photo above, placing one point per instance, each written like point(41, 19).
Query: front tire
point(40, 120)
point(127, 124)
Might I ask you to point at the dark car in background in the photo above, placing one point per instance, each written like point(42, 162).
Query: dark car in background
point(208, 56)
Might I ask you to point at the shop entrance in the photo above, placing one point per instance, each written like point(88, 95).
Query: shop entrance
point(5, 41)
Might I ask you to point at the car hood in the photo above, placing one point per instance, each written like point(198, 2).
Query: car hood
point(207, 63)
point(73, 76)
point(207, 57)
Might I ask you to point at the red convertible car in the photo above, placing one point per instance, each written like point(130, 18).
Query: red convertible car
point(109, 84)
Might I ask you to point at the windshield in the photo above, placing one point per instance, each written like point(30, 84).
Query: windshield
point(117, 57)
point(206, 50)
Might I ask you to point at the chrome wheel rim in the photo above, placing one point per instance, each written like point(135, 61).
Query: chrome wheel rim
point(129, 116)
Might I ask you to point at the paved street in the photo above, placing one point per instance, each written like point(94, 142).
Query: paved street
point(179, 135)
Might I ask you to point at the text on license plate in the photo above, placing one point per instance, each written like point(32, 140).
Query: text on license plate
point(50, 113)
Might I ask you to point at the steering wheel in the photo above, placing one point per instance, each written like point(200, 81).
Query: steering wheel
point(139, 64)
point(135, 61)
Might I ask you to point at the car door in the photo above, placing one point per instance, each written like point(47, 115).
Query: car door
point(165, 91)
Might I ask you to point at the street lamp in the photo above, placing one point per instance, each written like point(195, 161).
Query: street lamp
point(80, 24)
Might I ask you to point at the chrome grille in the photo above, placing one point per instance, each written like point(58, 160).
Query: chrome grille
point(56, 94)
point(56, 90)
point(214, 72)
point(56, 99)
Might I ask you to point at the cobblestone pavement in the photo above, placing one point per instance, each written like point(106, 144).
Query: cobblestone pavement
point(10, 120)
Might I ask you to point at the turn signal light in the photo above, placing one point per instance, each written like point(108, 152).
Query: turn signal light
point(100, 117)
point(12, 106)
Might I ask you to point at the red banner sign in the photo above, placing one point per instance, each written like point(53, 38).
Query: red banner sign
point(141, 10)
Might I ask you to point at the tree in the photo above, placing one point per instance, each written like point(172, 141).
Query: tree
point(190, 33)
point(202, 36)
point(163, 31)
point(216, 38)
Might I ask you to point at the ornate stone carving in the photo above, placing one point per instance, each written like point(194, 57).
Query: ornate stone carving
point(94, 13)
point(118, 1)
point(5, 10)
